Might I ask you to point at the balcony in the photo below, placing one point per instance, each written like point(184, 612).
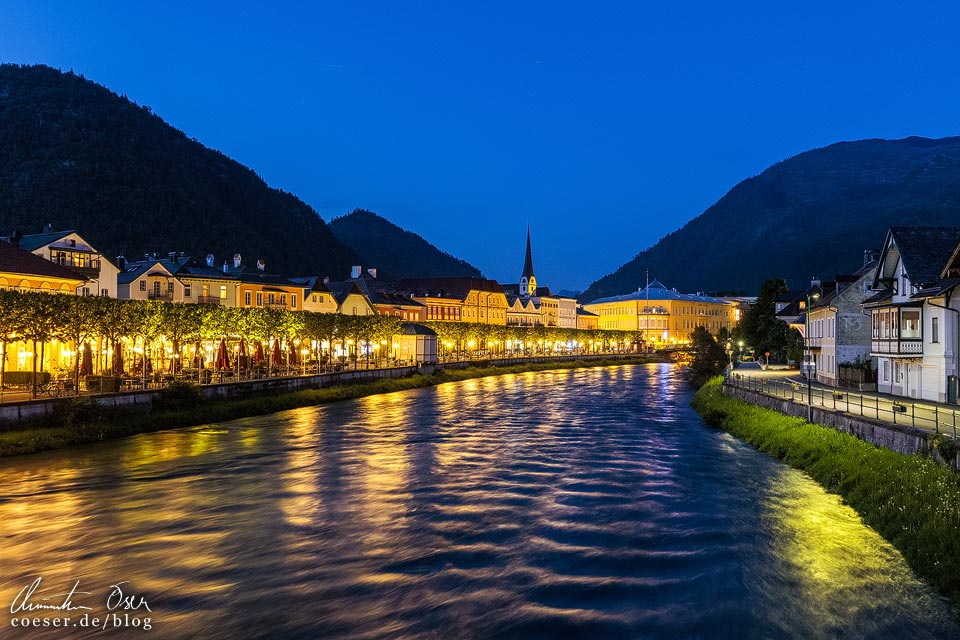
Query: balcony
point(275, 304)
point(903, 346)
point(160, 295)
point(209, 300)
point(87, 268)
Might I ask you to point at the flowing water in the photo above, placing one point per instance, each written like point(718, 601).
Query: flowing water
point(582, 504)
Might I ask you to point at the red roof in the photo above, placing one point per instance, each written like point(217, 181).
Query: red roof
point(16, 260)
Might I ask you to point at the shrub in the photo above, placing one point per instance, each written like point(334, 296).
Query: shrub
point(179, 395)
point(25, 378)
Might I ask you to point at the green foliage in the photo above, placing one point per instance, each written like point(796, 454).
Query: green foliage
point(760, 329)
point(395, 252)
point(910, 500)
point(25, 378)
point(709, 358)
point(78, 156)
point(179, 395)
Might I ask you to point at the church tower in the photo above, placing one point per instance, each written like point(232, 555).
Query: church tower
point(528, 282)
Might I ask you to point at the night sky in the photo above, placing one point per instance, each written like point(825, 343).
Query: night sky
point(603, 125)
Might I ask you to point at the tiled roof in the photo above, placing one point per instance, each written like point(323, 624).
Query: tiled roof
point(658, 291)
point(925, 250)
point(414, 329)
point(34, 241)
point(446, 287)
point(20, 261)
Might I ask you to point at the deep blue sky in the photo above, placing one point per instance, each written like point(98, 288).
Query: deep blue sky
point(603, 125)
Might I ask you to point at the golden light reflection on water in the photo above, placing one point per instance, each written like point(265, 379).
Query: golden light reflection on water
point(836, 562)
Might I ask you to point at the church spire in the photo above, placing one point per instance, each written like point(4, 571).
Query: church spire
point(528, 282)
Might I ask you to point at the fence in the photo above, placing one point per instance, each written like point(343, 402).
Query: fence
point(930, 417)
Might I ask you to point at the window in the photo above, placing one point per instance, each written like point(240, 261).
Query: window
point(293, 301)
point(188, 291)
point(259, 298)
point(223, 292)
point(910, 323)
point(104, 292)
point(84, 291)
point(886, 371)
point(934, 329)
point(143, 285)
point(246, 298)
point(169, 286)
point(314, 297)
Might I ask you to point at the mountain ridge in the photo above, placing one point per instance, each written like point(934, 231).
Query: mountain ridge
point(812, 214)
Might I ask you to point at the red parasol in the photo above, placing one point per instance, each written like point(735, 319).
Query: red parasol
point(223, 358)
point(293, 354)
point(259, 357)
point(277, 357)
point(86, 364)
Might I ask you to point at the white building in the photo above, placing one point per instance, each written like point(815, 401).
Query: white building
point(914, 317)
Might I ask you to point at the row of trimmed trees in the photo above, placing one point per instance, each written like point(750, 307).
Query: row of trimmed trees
point(167, 329)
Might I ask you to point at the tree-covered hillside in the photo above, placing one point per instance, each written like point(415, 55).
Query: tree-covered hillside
point(811, 215)
point(78, 156)
point(395, 252)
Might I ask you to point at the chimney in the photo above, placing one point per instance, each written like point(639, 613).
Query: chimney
point(261, 265)
point(236, 261)
point(870, 255)
point(173, 257)
point(209, 259)
point(15, 238)
point(326, 279)
point(355, 272)
point(814, 281)
point(146, 256)
point(48, 228)
point(121, 263)
point(373, 273)
point(225, 266)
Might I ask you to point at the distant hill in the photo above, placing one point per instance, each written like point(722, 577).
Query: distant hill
point(811, 215)
point(396, 253)
point(78, 156)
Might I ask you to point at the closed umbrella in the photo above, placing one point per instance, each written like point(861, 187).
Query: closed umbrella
point(198, 356)
point(293, 354)
point(277, 357)
point(86, 364)
point(259, 356)
point(223, 358)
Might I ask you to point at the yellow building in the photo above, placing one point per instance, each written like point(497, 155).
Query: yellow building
point(666, 316)
point(458, 299)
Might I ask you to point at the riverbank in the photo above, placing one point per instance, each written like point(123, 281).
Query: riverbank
point(82, 421)
point(911, 501)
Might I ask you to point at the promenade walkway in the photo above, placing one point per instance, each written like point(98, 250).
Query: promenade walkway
point(930, 416)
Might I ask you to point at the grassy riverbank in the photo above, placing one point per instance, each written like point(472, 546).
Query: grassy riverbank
point(82, 421)
point(911, 501)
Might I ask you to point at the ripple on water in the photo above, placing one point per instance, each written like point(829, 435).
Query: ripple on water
point(582, 504)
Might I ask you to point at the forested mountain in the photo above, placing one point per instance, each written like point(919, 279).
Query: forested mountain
point(811, 215)
point(394, 251)
point(78, 156)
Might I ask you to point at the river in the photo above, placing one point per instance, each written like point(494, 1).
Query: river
point(588, 503)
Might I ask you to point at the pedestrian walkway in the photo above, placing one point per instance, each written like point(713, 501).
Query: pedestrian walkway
point(930, 416)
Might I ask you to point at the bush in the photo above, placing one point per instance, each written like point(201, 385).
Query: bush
point(25, 378)
point(79, 413)
point(179, 395)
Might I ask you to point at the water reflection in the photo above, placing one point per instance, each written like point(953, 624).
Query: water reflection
point(588, 503)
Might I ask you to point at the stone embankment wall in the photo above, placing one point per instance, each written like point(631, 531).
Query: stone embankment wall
point(901, 439)
point(18, 413)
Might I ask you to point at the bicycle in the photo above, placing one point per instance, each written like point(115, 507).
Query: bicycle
point(53, 388)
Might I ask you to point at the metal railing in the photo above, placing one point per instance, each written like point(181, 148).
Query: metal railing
point(904, 412)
